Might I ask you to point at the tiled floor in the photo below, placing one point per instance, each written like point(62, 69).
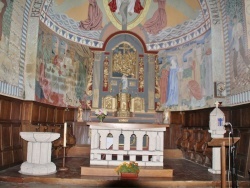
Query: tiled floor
point(186, 174)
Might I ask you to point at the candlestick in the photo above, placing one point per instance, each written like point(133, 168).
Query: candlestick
point(64, 134)
point(63, 168)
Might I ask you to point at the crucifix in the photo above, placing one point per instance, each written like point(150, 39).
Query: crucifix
point(124, 47)
point(124, 13)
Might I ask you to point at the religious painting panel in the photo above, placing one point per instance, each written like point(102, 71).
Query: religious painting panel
point(137, 104)
point(185, 75)
point(238, 37)
point(110, 103)
point(62, 67)
point(13, 31)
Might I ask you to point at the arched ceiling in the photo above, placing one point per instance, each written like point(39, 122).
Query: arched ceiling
point(185, 20)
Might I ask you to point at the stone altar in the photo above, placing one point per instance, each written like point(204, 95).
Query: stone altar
point(142, 143)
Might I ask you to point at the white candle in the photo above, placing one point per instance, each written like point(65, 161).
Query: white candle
point(64, 134)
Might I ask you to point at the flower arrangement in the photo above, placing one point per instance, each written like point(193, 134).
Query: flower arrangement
point(101, 113)
point(125, 167)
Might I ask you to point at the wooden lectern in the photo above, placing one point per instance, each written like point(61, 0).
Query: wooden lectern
point(223, 142)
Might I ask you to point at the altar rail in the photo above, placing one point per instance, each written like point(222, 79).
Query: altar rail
point(114, 143)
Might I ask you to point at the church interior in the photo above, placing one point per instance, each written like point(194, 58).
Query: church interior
point(89, 85)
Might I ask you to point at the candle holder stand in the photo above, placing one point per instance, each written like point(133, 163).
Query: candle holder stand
point(63, 168)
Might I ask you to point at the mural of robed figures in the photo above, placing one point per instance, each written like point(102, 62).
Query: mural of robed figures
point(61, 74)
point(159, 19)
point(186, 75)
point(3, 6)
point(94, 20)
point(173, 83)
point(239, 58)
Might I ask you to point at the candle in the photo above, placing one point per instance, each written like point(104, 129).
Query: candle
point(64, 134)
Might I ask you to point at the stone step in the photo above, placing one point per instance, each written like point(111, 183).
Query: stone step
point(110, 171)
point(126, 119)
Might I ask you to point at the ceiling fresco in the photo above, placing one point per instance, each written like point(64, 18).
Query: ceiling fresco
point(161, 24)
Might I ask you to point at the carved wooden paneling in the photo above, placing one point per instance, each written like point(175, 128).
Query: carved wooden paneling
point(16, 109)
point(43, 114)
point(18, 155)
point(236, 117)
point(59, 115)
point(227, 113)
point(69, 115)
point(50, 114)
point(243, 152)
point(176, 118)
point(35, 112)
point(6, 137)
point(16, 139)
point(27, 108)
point(245, 116)
point(5, 109)
point(172, 133)
point(7, 157)
point(1, 158)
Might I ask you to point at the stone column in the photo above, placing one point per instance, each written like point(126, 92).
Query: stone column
point(31, 57)
point(216, 161)
point(103, 138)
point(152, 141)
point(151, 83)
point(116, 135)
point(96, 79)
point(139, 139)
point(127, 135)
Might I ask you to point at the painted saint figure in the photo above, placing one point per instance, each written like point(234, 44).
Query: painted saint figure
point(237, 46)
point(173, 86)
point(94, 21)
point(159, 19)
point(3, 6)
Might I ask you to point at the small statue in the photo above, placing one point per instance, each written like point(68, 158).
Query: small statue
point(166, 116)
point(79, 114)
point(124, 83)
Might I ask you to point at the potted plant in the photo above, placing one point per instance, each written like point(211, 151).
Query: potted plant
point(101, 114)
point(128, 170)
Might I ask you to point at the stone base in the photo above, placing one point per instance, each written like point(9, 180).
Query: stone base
point(37, 169)
point(152, 172)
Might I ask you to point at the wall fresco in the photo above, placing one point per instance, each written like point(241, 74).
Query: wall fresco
point(11, 61)
point(66, 19)
point(61, 71)
point(186, 75)
point(239, 59)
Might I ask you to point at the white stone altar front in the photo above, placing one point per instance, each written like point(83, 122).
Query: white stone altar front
point(38, 153)
point(111, 143)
